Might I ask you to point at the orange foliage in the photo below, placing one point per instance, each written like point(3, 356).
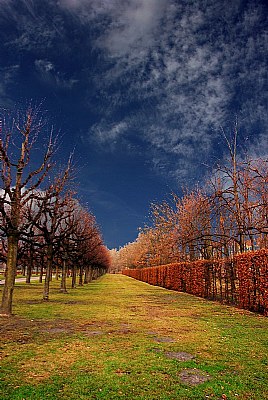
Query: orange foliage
point(252, 271)
point(242, 281)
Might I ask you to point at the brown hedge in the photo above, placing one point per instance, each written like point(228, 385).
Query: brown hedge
point(252, 271)
point(241, 281)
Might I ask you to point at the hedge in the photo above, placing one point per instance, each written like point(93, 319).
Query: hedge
point(241, 281)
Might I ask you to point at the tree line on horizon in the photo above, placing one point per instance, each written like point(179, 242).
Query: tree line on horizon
point(225, 217)
point(43, 226)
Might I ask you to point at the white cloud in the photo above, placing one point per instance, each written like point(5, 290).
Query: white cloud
point(8, 76)
point(51, 76)
point(189, 69)
point(107, 135)
point(172, 71)
point(44, 66)
point(133, 28)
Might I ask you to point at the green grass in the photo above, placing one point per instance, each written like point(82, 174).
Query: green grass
point(109, 340)
point(2, 276)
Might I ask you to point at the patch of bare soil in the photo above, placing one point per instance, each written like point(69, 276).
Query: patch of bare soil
point(181, 355)
point(58, 327)
point(14, 329)
point(157, 350)
point(55, 330)
point(125, 329)
point(93, 329)
point(93, 333)
point(193, 377)
point(164, 340)
point(20, 330)
point(122, 329)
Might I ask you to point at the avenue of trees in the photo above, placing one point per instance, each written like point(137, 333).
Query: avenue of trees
point(43, 227)
point(228, 216)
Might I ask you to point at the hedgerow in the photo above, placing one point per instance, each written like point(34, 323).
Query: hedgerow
point(241, 281)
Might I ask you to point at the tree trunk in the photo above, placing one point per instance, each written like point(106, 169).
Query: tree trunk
point(57, 271)
point(192, 252)
point(251, 237)
point(63, 278)
point(80, 276)
point(88, 274)
point(29, 273)
point(74, 276)
point(29, 267)
point(41, 273)
point(11, 268)
point(48, 273)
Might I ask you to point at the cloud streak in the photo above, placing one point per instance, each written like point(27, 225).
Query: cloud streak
point(169, 72)
point(203, 64)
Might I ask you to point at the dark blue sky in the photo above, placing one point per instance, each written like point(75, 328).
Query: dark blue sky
point(141, 89)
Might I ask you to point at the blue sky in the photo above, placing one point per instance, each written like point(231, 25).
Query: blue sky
point(141, 89)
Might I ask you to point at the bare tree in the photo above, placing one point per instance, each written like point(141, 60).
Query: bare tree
point(55, 208)
point(20, 176)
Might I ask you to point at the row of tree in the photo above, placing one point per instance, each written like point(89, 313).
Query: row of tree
point(42, 224)
point(229, 215)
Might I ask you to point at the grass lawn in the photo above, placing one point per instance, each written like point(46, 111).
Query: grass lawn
point(118, 338)
point(2, 276)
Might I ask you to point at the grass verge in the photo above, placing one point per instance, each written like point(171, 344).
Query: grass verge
point(118, 338)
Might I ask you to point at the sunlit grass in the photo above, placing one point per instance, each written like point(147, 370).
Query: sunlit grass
point(2, 276)
point(110, 340)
